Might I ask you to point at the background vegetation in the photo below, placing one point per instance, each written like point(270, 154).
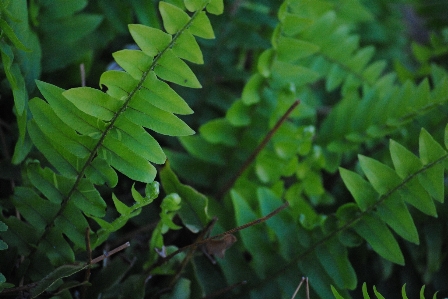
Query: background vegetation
point(360, 160)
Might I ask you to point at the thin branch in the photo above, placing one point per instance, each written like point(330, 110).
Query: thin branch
point(196, 244)
point(258, 149)
point(109, 253)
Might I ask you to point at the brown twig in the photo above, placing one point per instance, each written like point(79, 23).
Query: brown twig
point(201, 237)
point(258, 149)
point(196, 244)
point(109, 253)
point(185, 261)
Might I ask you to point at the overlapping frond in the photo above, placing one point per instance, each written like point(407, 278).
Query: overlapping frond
point(314, 44)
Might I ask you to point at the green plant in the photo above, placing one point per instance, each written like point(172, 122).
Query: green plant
point(323, 118)
point(379, 296)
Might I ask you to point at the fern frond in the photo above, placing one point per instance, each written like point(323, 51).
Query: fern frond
point(86, 135)
point(312, 42)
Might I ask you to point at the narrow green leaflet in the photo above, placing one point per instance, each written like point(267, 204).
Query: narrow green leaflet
point(119, 84)
point(335, 293)
point(363, 192)
point(317, 274)
point(20, 235)
point(73, 117)
point(14, 76)
point(133, 61)
point(382, 177)
point(7, 30)
point(394, 212)
point(59, 157)
point(100, 172)
point(23, 145)
point(121, 208)
point(430, 150)
point(432, 179)
point(219, 131)
point(333, 257)
point(361, 58)
point(156, 119)
point(372, 72)
point(122, 159)
point(377, 294)
point(201, 26)
point(161, 95)
point(238, 114)
point(151, 41)
point(93, 102)
point(73, 224)
point(251, 91)
point(137, 139)
point(291, 49)
point(216, 7)
point(56, 248)
point(415, 194)
point(54, 187)
point(37, 211)
point(87, 198)
point(52, 126)
point(376, 233)
point(171, 68)
point(186, 47)
point(193, 210)
point(199, 148)
point(296, 74)
point(194, 5)
point(174, 18)
point(405, 162)
point(365, 294)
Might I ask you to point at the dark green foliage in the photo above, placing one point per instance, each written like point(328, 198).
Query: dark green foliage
point(360, 160)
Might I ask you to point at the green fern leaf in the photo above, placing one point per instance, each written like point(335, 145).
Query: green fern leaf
point(171, 68)
point(201, 26)
point(363, 192)
point(151, 41)
point(174, 18)
point(215, 7)
point(193, 210)
point(380, 238)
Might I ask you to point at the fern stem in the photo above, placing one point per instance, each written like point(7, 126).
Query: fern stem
point(258, 149)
